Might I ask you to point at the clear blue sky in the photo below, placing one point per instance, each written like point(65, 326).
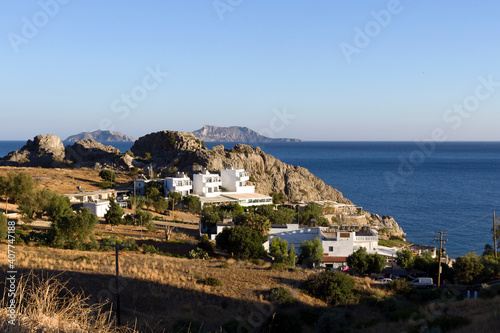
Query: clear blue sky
point(243, 63)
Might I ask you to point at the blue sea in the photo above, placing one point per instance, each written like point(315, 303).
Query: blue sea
point(452, 186)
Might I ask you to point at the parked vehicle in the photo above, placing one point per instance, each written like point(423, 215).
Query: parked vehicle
point(423, 282)
point(384, 280)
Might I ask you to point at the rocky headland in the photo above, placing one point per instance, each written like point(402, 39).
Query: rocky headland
point(235, 134)
point(104, 137)
point(171, 151)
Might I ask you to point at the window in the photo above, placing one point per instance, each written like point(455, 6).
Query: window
point(330, 249)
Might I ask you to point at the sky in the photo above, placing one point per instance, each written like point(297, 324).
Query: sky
point(320, 70)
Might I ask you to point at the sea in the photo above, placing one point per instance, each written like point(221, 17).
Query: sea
point(452, 187)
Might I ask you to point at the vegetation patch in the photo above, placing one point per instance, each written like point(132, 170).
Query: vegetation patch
point(281, 296)
point(211, 281)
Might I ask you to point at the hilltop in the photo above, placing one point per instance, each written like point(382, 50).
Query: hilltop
point(235, 134)
point(101, 136)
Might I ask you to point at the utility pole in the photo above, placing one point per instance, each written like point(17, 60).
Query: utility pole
point(117, 290)
point(495, 220)
point(440, 240)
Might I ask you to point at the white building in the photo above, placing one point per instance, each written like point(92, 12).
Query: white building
point(337, 244)
point(233, 180)
point(96, 201)
point(99, 208)
point(180, 183)
point(206, 184)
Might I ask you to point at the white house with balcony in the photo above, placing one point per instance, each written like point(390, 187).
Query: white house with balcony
point(234, 180)
point(181, 183)
point(206, 184)
point(337, 244)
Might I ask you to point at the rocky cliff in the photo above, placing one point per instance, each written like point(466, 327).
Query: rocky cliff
point(234, 134)
point(43, 150)
point(180, 151)
point(101, 136)
point(86, 153)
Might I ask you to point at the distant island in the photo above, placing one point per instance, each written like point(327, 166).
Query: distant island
point(101, 136)
point(235, 134)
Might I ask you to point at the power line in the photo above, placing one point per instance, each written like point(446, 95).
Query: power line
point(465, 224)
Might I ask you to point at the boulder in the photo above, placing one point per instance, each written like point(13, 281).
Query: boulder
point(86, 153)
point(43, 150)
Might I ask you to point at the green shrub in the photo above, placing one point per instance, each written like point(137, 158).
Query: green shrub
point(335, 288)
point(206, 245)
point(401, 287)
point(198, 254)
point(258, 262)
point(212, 281)
point(281, 296)
point(146, 248)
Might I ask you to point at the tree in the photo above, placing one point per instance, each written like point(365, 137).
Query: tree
point(192, 204)
point(136, 202)
point(145, 219)
point(256, 222)
point(160, 205)
point(279, 250)
point(405, 259)
point(108, 176)
point(241, 242)
point(114, 214)
point(211, 215)
point(147, 156)
point(154, 190)
point(174, 197)
point(311, 252)
point(57, 207)
point(16, 186)
point(74, 228)
point(358, 261)
point(423, 262)
point(292, 256)
point(376, 263)
point(278, 198)
point(282, 216)
point(335, 288)
point(3, 226)
point(312, 211)
point(468, 267)
point(35, 205)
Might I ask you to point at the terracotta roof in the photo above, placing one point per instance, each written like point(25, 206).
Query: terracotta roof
point(334, 259)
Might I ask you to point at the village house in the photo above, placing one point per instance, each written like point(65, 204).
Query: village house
point(338, 242)
point(97, 201)
point(181, 183)
point(211, 188)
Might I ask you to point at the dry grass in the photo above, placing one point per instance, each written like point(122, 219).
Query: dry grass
point(161, 289)
point(47, 305)
point(66, 180)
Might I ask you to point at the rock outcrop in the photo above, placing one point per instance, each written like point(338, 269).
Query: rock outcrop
point(181, 151)
point(43, 150)
point(387, 226)
point(234, 134)
point(87, 153)
point(101, 136)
